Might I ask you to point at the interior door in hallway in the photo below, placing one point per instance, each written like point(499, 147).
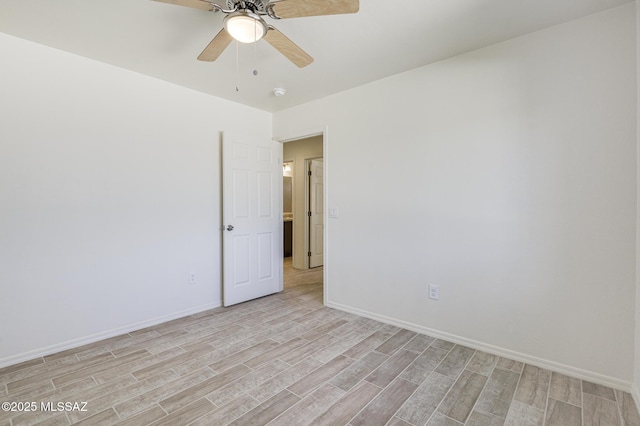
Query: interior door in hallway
point(252, 218)
point(316, 213)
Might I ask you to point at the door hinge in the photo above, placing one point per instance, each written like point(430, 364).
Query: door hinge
point(309, 214)
point(309, 172)
point(309, 253)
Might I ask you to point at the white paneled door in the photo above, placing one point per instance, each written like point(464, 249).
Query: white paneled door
point(251, 217)
point(316, 208)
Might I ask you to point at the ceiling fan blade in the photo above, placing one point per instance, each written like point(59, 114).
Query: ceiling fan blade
point(300, 8)
point(196, 4)
point(216, 47)
point(288, 48)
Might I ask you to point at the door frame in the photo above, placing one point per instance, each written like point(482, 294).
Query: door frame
point(304, 134)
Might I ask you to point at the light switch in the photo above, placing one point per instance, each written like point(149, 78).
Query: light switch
point(333, 212)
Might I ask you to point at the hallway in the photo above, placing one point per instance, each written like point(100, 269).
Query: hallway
point(309, 278)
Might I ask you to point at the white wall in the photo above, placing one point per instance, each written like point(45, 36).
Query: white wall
point(507, 176)
point(109, 197)
point(299, 151)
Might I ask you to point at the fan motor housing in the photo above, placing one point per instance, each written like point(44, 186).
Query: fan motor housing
point(253, 5)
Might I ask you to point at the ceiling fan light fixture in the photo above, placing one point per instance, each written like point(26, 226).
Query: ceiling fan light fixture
point(246, 27)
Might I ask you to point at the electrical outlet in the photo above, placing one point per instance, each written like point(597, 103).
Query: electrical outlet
point(192, 278)
point(434, 292)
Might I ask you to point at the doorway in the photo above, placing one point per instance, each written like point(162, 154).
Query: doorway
point(298, 155)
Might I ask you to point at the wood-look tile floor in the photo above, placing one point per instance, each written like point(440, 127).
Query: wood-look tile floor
point(287, 360)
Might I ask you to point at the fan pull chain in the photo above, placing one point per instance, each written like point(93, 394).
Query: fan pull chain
point(255, 47)
point(255, 59)
point(237, 64)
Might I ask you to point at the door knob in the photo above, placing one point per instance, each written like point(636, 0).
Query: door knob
point(229, 227)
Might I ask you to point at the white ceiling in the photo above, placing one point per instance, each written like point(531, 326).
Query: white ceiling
point(382, 39)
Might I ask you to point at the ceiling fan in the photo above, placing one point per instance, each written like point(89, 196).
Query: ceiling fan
point(244, 22)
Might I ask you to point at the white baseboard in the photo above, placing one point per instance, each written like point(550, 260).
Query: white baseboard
point(70, 344)
point(495, 350)
point(635, 393)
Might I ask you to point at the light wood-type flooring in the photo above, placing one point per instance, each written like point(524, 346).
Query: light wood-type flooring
point(287, 360)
